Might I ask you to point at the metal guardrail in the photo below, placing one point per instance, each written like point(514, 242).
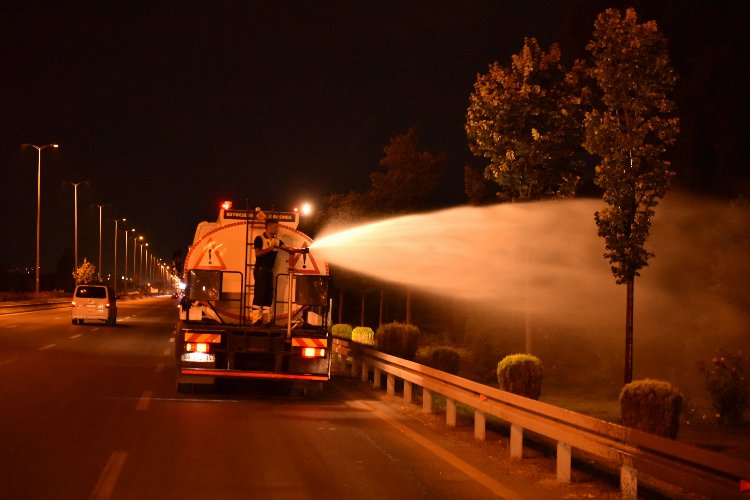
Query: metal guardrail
point(29, 306)
point(689, 467)
point(18, 307)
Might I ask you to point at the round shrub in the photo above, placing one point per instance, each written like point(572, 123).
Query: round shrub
point(342, 331)
point(728, 385)
point(363, 335)
point(398, 339)
point(521, 374)
point(652, 406)
point(446, 359)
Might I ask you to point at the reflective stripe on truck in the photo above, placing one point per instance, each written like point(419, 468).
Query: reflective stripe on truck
point(211, 338)
point(304, 342)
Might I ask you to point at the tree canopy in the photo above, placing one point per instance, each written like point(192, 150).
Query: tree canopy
point(526, 119)
point(629, 130)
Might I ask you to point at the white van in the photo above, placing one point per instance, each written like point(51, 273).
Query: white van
point(94, 302)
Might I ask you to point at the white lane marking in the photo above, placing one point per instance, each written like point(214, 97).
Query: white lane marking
point(7, 361)
point(48, 346)
point(108, 478)
point(94, 329)
point(171, 340)
point(167, 351)
point(76, 336)
point(159, 367)
point(495, 486)
point(11, 326)
point(143, 402)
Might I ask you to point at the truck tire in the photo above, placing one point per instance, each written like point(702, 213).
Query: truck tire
point(183, 388)
point(313, 390)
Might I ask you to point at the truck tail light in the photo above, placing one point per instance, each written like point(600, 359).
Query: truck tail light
point(313, 352)
point(106, 305)
point(73, 303)
point(196, 347)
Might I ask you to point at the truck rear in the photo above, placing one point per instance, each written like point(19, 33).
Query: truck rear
point(216, 337)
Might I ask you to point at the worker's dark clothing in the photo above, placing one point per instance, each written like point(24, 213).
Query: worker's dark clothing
point(263, 272)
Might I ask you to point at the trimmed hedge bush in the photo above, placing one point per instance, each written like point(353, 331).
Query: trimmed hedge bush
point(521, 374)
point(651, 405)
point(398, 339)
point(363, 335)
point(728, 385)
point(342, 330)
point(445, 359)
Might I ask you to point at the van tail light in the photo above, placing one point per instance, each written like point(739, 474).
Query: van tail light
point(73, 303)
point(106, 305)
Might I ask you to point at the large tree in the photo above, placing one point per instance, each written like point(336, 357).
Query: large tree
point(526, 119)
point(408, 181)
point(630, 129)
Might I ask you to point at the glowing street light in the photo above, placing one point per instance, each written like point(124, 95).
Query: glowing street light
point(38, 204)
point(306, 209)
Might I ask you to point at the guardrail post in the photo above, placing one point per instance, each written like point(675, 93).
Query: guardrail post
point(354, 367)
point(376, 378)
point(365, 372)
point(426, 401)
point(516, 441)
point(480, 429)
point(450, 413)
point(407, 392)
point(390, 384)
point(628, 480)
point(563, 462)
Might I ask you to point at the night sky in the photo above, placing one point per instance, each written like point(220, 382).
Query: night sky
point(168, 108)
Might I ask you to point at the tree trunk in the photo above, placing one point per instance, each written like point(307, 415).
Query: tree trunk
point(341, 304)
point(629, 333)
point(408, 307)
point(362, 311)
point(380, 316)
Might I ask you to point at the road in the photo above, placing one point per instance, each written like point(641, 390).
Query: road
point(90, 411)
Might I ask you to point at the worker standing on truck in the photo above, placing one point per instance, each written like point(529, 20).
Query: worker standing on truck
point(266, 245)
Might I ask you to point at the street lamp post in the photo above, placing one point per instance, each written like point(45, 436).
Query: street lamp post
point(145, 275)
point(75, 217)
point(114, 269)
point(135, 242)
point(125, 274)
point(38, 205)
point(99, 263)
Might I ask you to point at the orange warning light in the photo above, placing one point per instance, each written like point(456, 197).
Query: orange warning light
point(200, 347)
point(312, 352)
point(226, 205)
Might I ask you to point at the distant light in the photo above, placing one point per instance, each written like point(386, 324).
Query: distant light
point(306, 209)
point(55, 145)
point(226, 205)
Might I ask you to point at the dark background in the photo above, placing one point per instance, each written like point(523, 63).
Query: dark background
point(167, 108)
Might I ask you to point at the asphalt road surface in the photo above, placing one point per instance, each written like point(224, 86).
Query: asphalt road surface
point(91, 411)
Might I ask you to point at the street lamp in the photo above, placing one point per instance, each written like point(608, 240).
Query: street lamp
point(99, 263)
point(38, 204)
point(125, 274)
point(135, 242)
point(114, 272)
point(75, 216)
point(145, 276)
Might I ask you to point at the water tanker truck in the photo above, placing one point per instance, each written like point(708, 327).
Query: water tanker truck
point(221, 336)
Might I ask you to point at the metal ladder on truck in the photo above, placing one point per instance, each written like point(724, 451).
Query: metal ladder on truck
point(247, 304)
